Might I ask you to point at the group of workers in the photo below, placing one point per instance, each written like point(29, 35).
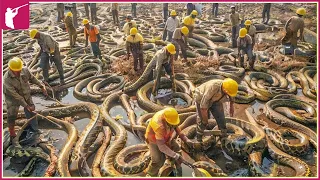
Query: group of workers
point(160, 130)
point(208, 97)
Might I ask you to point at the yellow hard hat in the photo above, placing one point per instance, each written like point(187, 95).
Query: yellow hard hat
point(173, 13)
point(133, 31)
point(247, 23)
point(301, 11)
point(15, 64)
point(85, 21)
point(187, 20)
point(69, 14)
point(242, 32)
point(171, 116)
point(171, 48)
point(194, 12)
point(185, 30)
point(33, 33)
point(230, 86)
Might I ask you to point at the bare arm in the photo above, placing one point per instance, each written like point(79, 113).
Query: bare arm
point(165, 149)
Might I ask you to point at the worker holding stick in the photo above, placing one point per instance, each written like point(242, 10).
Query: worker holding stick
point(16, 89)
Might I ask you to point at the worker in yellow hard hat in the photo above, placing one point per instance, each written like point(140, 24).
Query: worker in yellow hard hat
point(210, 96)
point(244, 44)
point(128, 25)
point(164, 59)
point(234, 18)
point(134, 44)
point(159, 137)
point(189, 22)
point(16, 89)
point(49, 53)
point(91, 33)
point(70, 29)
point(251, 31)
point(293, 25)
point(179, 41)
point(171, 24)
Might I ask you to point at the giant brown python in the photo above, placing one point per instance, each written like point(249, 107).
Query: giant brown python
point(145, 102)
point(300, 167)
point(286, 122)
point(86, 138)
point(277, 138)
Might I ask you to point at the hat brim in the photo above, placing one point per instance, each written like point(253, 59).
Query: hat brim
point(176, 122)
point(173, 52)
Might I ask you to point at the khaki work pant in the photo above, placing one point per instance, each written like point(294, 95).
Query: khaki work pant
point(158, 158)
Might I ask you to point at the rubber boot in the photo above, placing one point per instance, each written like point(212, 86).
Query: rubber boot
point(12, 135)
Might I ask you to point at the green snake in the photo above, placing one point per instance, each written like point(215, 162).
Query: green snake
point(87, 137)
point(286, 122)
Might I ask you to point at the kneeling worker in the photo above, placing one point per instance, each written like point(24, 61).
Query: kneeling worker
point(159, 139)
point(210, 96)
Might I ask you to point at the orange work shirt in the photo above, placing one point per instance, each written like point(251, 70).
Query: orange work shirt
point(92, 33)
point(157, 129)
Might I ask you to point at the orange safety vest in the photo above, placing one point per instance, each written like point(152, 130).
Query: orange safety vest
point(157, 129)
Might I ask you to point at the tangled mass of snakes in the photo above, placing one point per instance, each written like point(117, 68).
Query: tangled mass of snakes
point(272, 134)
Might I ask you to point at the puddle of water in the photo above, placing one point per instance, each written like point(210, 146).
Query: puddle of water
point(81, 124)
point(12, 170)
